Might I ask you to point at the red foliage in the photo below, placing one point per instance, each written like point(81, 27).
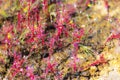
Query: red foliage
point(30, 74)
point(17, 65)
point(101, 60)
point(77, 34)
point(33, 21)
point(113, 36)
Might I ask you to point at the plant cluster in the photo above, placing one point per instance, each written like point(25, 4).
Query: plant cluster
point(43, 27)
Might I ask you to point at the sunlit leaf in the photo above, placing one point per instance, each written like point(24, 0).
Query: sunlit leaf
point(3, 13)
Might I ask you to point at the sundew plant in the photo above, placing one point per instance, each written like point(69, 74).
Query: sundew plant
point(42, 29)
